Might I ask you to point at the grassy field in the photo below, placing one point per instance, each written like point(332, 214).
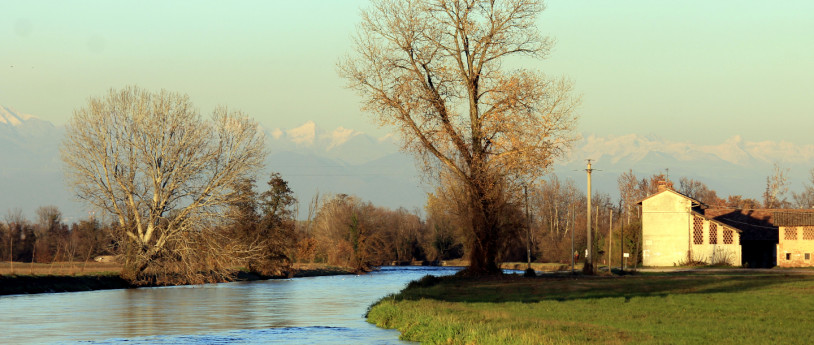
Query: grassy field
point(58, 268)
point(725, 308)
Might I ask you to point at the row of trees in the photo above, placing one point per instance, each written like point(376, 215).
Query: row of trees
point(343, 230)
point(49, 239)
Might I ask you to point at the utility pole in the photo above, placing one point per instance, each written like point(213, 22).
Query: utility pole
point(528, 227)
point(573, 230)
point(622, 241)
point(589, 267)
point(610, 242)
point(597, 230)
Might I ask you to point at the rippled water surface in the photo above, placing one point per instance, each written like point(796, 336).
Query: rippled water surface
point(317, 310)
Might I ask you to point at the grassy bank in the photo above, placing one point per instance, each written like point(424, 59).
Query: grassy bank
point(539, 266)
point(28, 278)
point(67, 268)
point(734, 308)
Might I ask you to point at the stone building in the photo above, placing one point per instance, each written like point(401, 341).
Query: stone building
point(795, 238)
point(678, 230)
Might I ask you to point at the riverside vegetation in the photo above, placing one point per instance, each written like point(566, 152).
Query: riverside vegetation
point(27, 278)
point(682, 308)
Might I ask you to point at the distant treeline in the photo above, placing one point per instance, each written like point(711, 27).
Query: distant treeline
point(344, 230)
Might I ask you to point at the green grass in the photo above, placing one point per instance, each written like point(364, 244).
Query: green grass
point(734, 308)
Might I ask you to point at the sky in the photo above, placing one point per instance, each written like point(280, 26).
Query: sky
point(696, 70)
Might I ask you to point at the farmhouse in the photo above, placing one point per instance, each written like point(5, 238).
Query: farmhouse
point(677, 229)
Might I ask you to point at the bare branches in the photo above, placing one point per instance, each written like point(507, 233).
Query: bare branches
point(432, 69)
point(151, 161)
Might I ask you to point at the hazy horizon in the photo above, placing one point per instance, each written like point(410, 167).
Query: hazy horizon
point(694, 70)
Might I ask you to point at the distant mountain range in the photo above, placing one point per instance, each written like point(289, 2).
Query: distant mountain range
point(347, 161)
point(310, 159)
point(734, 167)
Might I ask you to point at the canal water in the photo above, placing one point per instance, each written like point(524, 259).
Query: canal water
point(316, 310)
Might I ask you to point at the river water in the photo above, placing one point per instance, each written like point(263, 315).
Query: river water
point(316, 310)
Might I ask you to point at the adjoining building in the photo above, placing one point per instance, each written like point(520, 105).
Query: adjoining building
point(678, 230)
point(796, 238)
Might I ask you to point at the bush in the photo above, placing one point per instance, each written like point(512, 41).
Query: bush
point(424, 282)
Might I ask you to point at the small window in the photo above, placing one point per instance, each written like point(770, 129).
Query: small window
point(713, 233)
point(790, 233)
point(788, 256)
point(698, 230)
point(728, 236)
point(808, 256)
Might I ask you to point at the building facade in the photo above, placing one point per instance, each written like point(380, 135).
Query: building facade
point(795, 238)
point(678, 230)
point(675, 232)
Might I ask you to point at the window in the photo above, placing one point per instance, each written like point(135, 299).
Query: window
point(698, 230)
point(808, 233)
point(788, 256)
point(808, 256)
point(713, 233)
point(728, 236)
point(790, 233)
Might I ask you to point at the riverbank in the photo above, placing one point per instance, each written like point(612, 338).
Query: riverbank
point(734, 307)
point(26, 278)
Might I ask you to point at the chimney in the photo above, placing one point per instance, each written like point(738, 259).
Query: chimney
point(664, 185)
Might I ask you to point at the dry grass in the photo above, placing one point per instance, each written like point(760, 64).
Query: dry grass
point(541, 266)
point(537, 266)
point(58, 268)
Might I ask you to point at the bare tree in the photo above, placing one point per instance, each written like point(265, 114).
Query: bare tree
point(434, 69)
point(49, 219)
point(805, 199)
point(699, 191)
point(164, 173)
point(777, 185)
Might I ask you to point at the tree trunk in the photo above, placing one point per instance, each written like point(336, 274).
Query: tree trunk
point(483, 254)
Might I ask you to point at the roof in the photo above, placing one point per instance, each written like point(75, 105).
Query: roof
point(761, 224)
point(695, 202)
point(756, 225)
point(800, 217)
point(722, 224)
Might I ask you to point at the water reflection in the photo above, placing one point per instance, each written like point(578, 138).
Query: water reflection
point(316, 310)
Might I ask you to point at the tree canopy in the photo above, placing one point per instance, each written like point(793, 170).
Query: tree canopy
point(163, 172)
point(436, 71)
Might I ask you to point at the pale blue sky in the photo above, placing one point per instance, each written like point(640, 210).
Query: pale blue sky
point(694, 70)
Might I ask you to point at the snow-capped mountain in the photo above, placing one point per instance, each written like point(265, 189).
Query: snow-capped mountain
point(735, 166)
point(733, 150)
point(30, 169)
point(348, 161)
point(346, 145)
point(312, 160)
point(10, 117)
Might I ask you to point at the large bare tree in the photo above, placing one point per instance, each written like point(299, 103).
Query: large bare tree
point(437, 71)
point(163, 172)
